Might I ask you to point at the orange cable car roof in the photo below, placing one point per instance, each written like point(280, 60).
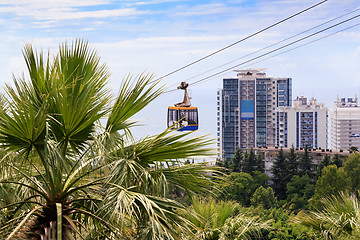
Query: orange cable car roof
point(182, 108)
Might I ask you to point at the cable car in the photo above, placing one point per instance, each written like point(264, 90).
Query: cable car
point(182, 116)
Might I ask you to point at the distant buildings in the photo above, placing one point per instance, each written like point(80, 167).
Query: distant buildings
point(303, 124)
point(345, 124)
point(246, 110)
point(254, 111)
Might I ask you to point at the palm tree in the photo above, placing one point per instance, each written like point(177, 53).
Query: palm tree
point(215, 220)
point(70, 168)
point(339, 218)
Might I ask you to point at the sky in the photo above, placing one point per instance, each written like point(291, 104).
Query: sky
point(159, 36)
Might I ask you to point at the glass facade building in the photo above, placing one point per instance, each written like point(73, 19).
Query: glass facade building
point(246, 110)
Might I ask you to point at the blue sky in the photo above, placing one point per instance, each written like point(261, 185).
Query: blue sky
point(159, 36)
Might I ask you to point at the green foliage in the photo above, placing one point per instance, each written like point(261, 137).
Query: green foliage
point(352, 171)
point(248, 165)
point(280, 174)
point(336, 160)
point(281, 226)
point(306, 164)
point(238, 187)
point(215, 220)
point(332, 181)
point(243, 227)
point(339, 219)
point(335, 179)
point(299, 191)
point(241, 186)
point(260, 179)
point(226, 164)
point(354, 149)
point(237, 160)
point(208, 216)
point(247, 162)
point(259, 163)
point(263, 197)
point(64, 174)
point(324, 163)
point(292, 164)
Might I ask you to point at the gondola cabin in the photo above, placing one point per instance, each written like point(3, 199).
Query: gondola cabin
point(183, 118)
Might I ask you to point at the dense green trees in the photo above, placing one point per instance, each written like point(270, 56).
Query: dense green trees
point(241, 186)
point(280, 175)
point(259, 164)
point(326, 161)
point(335, 179)
point(237, 160)
point(292, 164)
point(263, 197)
point(301, 186)
point(238, 187)
point(352, 171)
point(332, 181)
point(299, 190)
point(249, 162)
point(336, 160)
point(306, 164)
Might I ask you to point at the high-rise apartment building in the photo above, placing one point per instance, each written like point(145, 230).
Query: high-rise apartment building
point(246, 110)
point(345, 124)
point(302, 124)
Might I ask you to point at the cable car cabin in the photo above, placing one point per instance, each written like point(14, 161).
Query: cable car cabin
point(183, 118)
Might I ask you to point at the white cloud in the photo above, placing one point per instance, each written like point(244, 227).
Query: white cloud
point(67, 13)
point(41, 4)
point(44, 24)
point(162, 42)
point(204, 9)
point(149, 2)
point(47, 10)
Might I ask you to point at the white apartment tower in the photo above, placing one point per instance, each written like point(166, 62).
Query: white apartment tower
point(303, 124)
point(345, 124)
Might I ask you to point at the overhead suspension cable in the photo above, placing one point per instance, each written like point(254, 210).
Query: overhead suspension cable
point(272, 51)
point(302, 45)
point(277, 49)
point(291, 49)
point(239, 41)
point(273, 44)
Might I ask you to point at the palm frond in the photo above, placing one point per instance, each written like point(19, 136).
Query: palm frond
point(156, 215)
point(132, 98)
point(81, 97)
point(22, 124)
point(243, 227)
point(64, 175)
point(340, 217)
